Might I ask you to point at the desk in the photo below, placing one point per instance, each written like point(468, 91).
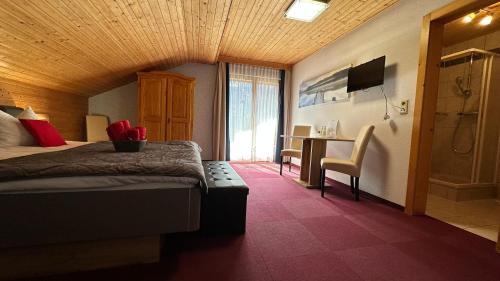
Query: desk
point(313, 149)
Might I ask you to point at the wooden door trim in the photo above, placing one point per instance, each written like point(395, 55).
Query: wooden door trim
point(426, 98)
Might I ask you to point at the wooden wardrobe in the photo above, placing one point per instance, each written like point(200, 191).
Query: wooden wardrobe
point(166, 105)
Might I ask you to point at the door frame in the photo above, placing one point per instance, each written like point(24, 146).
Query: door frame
point(431, 39)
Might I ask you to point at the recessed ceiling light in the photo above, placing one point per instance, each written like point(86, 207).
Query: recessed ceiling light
point(305, 10)
point(468, 18)
point(486, 20)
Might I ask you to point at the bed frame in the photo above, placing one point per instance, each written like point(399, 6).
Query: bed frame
point(51, 232)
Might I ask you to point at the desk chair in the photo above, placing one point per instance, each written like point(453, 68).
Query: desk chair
point(295, 149)
point(350, 166)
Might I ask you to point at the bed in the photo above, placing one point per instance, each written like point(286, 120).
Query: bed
point(87, 192)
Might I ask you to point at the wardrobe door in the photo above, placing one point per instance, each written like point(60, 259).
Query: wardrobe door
point(152, 103)
point(179, 109)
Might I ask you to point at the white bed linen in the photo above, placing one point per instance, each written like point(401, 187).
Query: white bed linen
point(7, 152)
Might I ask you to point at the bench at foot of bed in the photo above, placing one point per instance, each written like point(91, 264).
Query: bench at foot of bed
point(224, 206)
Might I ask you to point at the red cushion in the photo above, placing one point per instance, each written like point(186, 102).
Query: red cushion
point(142, 132)
point(133, 134)
point(44, 133)
point(116, 131)
point(126, 124)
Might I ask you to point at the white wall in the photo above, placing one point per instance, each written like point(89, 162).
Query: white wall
point(118, 104)
point(394, 33)
point(121, 103)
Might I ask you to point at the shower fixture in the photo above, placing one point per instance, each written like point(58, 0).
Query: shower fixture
point(465, 92)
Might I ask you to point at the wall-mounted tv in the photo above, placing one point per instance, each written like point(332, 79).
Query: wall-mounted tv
point(366, 75)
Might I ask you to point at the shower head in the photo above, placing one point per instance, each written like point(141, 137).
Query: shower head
point(463, 92)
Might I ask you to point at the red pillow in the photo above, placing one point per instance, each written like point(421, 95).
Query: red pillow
point(142, 132)
point(133, 134)
point(44, 133)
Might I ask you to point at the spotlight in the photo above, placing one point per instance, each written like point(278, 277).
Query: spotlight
point(486, 20)
point(468, 18)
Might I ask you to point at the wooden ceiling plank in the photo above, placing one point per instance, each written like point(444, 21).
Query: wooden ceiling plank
point(165, 32)
point(268, 13)
point(64, 44)
point(90, 34)
point(349, 14)
point(123, 25)
point(363, 15)
point(188, 24)
point(74, 48)
point(221, 19)
point(148, 19)
point(203, 28)
point(136, 23)
point(305, 29)
point(195, 14)
point(246, 16)
point(233, 20)
point(332, 16)
point(177, 15)
point(112, 29)
point(248, 29)
point(28, 43)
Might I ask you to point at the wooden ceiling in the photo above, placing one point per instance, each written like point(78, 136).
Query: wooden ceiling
point(86, 47)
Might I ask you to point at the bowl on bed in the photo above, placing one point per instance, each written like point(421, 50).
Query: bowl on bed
point(129, 145)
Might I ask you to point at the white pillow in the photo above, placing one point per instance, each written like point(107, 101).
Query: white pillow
point(29, 114)
point(12, 132)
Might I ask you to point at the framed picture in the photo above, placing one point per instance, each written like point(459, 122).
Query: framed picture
point(329, 87)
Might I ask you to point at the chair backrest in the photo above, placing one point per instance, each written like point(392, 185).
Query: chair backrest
point(300, 131)
point(361, 143)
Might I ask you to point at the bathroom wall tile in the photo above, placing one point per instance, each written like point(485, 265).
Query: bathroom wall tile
point(454, 104)
point(477, 68)
point(472, 104)
point(492, 41)
point(478, 43)
point(463, 169)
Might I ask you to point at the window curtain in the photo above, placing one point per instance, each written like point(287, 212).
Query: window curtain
point(253, 112)
point(281, 118)
point(219, 122)
point(287, 101)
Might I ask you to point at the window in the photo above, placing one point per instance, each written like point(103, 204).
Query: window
point(253, 112)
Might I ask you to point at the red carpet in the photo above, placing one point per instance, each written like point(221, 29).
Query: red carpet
point(294, 234)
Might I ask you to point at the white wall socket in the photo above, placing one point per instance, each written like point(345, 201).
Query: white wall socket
point(404, 107)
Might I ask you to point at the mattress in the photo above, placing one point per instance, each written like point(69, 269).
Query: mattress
point(96, 207)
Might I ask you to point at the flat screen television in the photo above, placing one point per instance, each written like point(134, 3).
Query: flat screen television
point(366, 75)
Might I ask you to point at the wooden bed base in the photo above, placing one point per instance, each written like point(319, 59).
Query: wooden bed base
point(63, 258)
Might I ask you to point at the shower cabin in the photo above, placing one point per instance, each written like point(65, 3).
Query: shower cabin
point(465, 150)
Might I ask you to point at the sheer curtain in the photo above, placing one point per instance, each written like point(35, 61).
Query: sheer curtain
point(253, 112)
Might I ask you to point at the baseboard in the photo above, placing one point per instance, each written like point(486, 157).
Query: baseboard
point(366, 195)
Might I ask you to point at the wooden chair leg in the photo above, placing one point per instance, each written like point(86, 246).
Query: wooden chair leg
point(357, 188)
point(290, 164)
point(352, 184)
point(281, 166)
point(322, 182)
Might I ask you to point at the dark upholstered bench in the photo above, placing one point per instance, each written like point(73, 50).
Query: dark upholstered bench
point(224, 206)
